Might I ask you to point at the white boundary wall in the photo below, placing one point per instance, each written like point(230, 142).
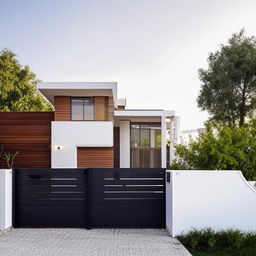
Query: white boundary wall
point(216, 199)
point(5, 198)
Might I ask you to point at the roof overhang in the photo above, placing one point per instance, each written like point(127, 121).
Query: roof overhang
point(78, 89)
point(144, 113)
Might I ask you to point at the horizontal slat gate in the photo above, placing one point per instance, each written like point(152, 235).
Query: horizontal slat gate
point(128, 198)
point(107, 197)
point(51, 198)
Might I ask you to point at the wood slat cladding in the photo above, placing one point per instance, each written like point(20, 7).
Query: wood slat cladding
point(104, 108)
point(29, 133)
point(95, 157)
point(116, 147)
point(101, 106)
point(110, 113)
point(62, 108)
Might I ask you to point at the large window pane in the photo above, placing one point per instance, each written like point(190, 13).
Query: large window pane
point(146, 145)
point(157, 137)
point(89, 109)
point(77, 109)
point(135, 136)
point(144, 137)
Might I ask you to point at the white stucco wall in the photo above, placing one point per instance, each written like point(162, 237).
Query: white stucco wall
point(5, 198)
point(252, 183)
point(216, 199)
point(72, 134)
point(169, 208)
point(124, 144)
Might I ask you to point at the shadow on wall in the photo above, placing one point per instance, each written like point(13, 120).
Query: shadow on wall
point(216, 199)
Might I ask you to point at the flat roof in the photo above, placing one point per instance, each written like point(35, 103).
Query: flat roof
point(78, 89)
point(144, 112)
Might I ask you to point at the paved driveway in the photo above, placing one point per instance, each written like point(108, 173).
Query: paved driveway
point(95, 242)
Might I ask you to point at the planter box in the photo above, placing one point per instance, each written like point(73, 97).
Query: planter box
point(5, 198)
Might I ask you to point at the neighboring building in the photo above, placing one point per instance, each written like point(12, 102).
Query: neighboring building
point(187, 135)
point(89, 128)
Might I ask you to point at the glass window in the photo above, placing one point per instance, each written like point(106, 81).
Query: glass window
point(135, 136)
point(146, 145)
point(77, 109)
point(144, 137)
point(82, 109)
point(89, 109)
point(157, 138)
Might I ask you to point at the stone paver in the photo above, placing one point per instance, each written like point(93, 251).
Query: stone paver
point(95, 242)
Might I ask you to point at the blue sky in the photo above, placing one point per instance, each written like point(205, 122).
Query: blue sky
point(152, 48)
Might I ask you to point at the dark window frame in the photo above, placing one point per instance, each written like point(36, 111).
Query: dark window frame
point(141, 123)
point(82, 98)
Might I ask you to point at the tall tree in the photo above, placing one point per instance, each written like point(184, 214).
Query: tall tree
point(18, 90)
point(228, 90)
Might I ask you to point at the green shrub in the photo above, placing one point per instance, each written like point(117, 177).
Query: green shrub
point(231, 239)
point(220, 148)
point(208, 240)
point(250, 240)
point(199, 239)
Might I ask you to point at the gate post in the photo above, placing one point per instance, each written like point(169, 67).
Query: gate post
point(5, 199)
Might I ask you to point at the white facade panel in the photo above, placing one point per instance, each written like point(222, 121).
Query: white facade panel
point(215, 199)
point(68, 135)
point(124, 144)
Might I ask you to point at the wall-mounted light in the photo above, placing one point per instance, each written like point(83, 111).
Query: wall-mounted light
point(58, 147)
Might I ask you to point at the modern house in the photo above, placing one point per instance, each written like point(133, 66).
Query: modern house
point(91, 128)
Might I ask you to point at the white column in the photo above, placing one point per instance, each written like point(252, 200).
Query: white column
point(171, 138)
point(176, 129)
point(163, 141)
point(125, 144)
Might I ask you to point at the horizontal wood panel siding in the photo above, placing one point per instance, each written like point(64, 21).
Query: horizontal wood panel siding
point(110, 111)
point(116, 147)
point(95, 157)
point(101, 104)
point(62, 108)
point(104, 108)
point(29, 133)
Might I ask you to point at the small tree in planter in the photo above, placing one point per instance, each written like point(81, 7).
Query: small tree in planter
point(9, 157)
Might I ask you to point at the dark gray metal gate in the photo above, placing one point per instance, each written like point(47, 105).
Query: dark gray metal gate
point(113, 198)
point(50, 198)
point(128, 198)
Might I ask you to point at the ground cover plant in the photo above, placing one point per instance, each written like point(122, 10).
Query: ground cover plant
point(207, 242)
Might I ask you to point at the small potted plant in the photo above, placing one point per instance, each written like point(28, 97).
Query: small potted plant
point(6, 189)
